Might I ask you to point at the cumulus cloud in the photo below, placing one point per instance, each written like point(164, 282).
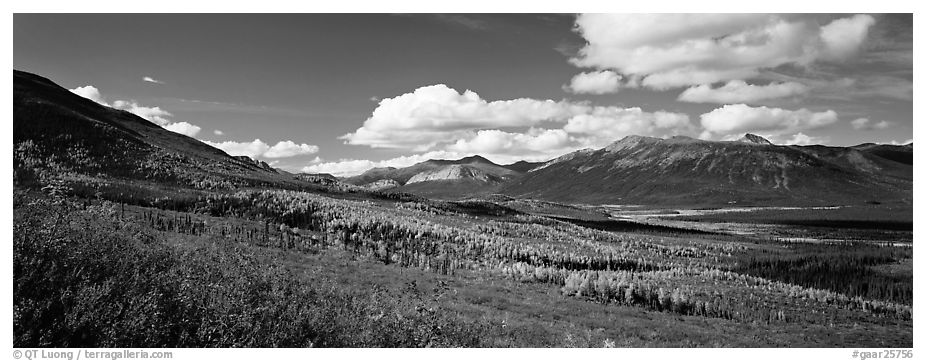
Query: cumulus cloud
point(738, 91)
point(597, 128)
point(859, 86)
point(866, 124)
point(184, 128)
point(437, 114)
point(342, 168)
point(801, 139)
point(740, 118)
point(843, 37)
point(154, 114)
point(675, 50)
point(604, 125)
point(351, 167)
point(596, 82)
point(437, 117)
point(218, 132)
point(288, 148)
point(151, 80)
point(258, 149)
point(536, 143)
point(90, 92)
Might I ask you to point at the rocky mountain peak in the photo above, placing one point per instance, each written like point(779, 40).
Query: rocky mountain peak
point(754, 139)
point(631, 141)
point(452, 172)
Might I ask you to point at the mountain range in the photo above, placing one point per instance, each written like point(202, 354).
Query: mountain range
point(679, 170)
point(751, 171)
point(58, 132)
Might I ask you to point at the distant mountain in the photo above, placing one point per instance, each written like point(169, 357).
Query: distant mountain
point(457, 172)
point(686, 171)
point(58, 133)
point(440, 178)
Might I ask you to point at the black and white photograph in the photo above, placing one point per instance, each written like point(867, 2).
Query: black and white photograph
point(490, 180)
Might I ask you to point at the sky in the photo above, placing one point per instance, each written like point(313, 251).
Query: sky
point(342, 93)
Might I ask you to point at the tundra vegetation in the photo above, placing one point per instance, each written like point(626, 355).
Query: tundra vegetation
point(114, 264)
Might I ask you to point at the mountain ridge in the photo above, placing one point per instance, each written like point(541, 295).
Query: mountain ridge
point(684, 170)
point(58, 133)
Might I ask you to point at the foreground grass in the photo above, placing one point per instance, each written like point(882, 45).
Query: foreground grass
point(82, 278)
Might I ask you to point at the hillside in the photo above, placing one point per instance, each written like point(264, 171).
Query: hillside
point(686, 171)
point(59, 134)
point(898, 153)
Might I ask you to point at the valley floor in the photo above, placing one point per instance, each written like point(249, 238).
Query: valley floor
point(227, 270)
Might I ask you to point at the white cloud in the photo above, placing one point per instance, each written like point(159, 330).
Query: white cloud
point(596, 82)
point(858, 87)
point(740, 118)
point(534, 144)
point(184, 128)
point(866, 124)
point(350, 167)
point(604, 125)
point(843, 37)
point(437, 117)
point(801, 139)
point(342, 168)
point(258, 149)
point(90, 92)
point(436, 114)
point(288, 148)
point(675, 50)
point(218, 132)
point(738, 91)
point(151, 80)
point(155, 114)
